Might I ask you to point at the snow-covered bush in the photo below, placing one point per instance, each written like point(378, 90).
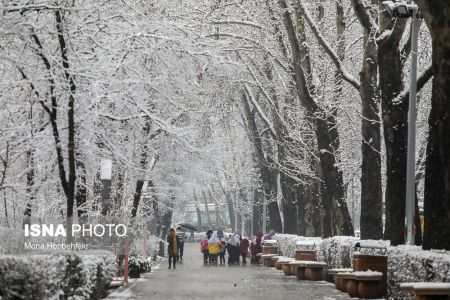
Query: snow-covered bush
point(287, 242)
point(62, 276)
point(11, 241)
point(136, 266)
point(102, 268)
point(32, 277)
point(337, 251)
point(412, 264)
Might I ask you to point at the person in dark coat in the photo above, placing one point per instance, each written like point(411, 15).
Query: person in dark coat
point(243, 247)
point(182, 236)
point(256, 248)
point(172, 247)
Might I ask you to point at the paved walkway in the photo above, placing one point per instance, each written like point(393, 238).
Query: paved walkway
point(193, 280)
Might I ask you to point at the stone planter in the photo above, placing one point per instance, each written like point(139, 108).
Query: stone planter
point(286, 269)
point(271, 261)
point(339, 282)
point(352, 286)
point(270, 247)
point(309, 255)
point(331, 273)
point(370, 289)
point(432, 290)
point(315, 271)
point(379, 263)
point(293, 270)
point(266, 258)
point(298, 269)
point(370, 286)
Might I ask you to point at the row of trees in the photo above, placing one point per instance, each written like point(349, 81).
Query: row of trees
point(285, 103)
point(297, 86)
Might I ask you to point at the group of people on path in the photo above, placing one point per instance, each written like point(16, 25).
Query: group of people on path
point(214, 248)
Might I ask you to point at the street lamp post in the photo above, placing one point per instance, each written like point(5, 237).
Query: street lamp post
point(411, 158)
point(407, 9)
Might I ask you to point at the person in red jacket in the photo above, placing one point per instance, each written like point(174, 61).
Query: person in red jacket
point(243, 246)
point(204, 249)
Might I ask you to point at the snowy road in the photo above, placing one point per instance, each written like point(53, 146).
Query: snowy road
point(192, 280)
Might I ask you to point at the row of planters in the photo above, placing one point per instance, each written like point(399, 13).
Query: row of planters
point(57, 277)
point(405, 264)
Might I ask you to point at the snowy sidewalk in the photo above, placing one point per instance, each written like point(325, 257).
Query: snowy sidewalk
point(192, 280)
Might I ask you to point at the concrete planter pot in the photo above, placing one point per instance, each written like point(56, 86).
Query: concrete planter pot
point(379, 263)
point(270, 250)
point(286, 269)
point(308, 255)
point(370, 289)
point(352, 287)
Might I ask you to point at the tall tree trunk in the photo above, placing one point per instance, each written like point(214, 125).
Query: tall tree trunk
point(167, 217)
point(290, 204)
point(257, 211)
point(337, 219)
point(208, 217)
point(395, 125)
point(30, 186)
point(119, 189)
point(268, 174)
point(229, 205)
point(371, 191)
point(198, 212)
point(71, 121)
point(81, 194)
point(437, 176)
point(143, 166)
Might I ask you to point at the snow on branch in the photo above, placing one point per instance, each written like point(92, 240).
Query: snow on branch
point(328, 49)
point(262, 47)
point(260, 112)
point(422, 79)
point(237, 22)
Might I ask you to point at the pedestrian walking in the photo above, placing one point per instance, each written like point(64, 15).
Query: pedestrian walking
point(214, 248)
point(233, 249)
point(204, 249)
point(243, 246)
point(256, 248)
point(223, 249)
point(182, 236)
point(172, 247)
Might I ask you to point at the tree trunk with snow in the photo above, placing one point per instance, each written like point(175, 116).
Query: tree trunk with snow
point(395, 124)
point(437, 176)
point(336, 220)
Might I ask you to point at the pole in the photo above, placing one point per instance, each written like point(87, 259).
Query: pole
point(125, 268)
point(353, 204)
point(411, 157)
point(264, 229)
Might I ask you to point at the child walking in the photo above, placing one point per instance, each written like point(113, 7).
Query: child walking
point(223, 248)
point(204, 249)
point(214, 248)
